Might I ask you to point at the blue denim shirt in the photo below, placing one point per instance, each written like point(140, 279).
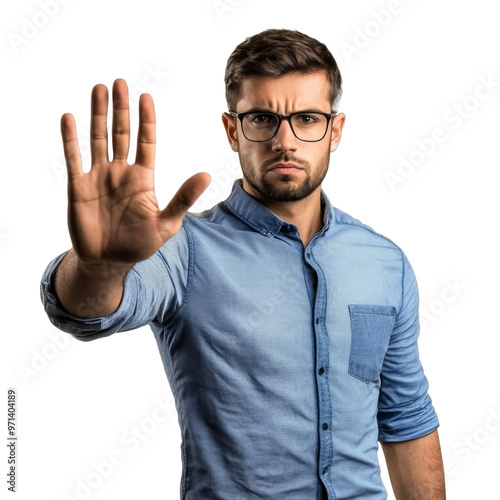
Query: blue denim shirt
point(287, 364)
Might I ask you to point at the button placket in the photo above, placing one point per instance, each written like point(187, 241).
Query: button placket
point(322, 343)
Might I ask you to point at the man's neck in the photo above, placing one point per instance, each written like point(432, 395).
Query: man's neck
point(306, 214)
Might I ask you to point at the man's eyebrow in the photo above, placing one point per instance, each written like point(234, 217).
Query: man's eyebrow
point(267, 110)
point(259, 109)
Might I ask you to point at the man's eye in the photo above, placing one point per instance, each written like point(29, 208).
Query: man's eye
point(306, 119)
point(262, 119)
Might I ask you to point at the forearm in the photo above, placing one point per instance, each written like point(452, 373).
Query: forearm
point(87, 290)
point(416, 468)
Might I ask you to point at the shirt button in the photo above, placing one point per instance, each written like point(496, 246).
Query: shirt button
point(308, 255)
point(325, 427)
point(317, 321)
point(321, 371)
point(325, 470)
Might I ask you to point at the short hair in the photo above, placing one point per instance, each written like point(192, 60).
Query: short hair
point(275, 53)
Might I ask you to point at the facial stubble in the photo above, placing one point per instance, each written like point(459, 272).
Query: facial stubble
point(285, 188)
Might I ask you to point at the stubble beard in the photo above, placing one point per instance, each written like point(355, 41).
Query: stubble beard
point(286, 187)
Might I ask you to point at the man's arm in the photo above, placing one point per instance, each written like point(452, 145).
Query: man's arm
point(416, 468)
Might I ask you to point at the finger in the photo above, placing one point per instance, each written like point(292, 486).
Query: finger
point(98, 124)
point(121, 120)
point(70, 145)
point(185, 197)
point(146, 138)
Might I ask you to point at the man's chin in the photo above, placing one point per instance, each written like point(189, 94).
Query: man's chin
point(285, 190)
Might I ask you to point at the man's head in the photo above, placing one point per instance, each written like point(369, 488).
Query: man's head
point(282, 72)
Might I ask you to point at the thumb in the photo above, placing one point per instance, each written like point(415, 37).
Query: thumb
point(185, 197)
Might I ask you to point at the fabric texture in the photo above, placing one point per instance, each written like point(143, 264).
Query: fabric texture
point(287, 364)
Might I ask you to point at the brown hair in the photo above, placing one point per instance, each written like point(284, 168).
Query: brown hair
point(275, 53)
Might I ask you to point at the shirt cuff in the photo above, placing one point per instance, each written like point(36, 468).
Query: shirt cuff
point(409, 421)
point(83, 328)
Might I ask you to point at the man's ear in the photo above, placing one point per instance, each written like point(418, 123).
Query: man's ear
point(231, 130)
point(337, 126)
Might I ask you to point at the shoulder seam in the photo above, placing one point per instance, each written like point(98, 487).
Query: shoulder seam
point(360, 225)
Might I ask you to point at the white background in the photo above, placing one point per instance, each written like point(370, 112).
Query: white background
point(406, 73)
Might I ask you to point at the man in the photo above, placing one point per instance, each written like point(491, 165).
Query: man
point(287, 329)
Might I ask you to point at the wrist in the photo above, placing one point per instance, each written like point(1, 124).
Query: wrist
point(89, 290)
point(105, 270)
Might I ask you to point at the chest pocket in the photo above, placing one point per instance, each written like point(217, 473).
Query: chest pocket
point(371, 328)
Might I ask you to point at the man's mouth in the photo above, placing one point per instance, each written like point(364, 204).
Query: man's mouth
point(285, 168)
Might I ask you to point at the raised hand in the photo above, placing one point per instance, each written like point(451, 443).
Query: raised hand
point(113, 215)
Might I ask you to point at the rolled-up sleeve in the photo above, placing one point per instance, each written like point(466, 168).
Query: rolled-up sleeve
point(153, 291)
point(405, 408)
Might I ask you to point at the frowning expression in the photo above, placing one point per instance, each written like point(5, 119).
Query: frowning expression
point(284, 168)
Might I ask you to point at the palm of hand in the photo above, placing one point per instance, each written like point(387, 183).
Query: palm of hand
point(113, 214)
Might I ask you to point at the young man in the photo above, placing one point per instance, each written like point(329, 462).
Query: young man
point(287, 329)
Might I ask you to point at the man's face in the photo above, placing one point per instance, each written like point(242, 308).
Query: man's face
point(284, 168)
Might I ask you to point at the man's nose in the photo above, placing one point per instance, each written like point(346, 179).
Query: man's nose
point(285, 139)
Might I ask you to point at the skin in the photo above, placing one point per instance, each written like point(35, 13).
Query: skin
point(285, 95)
point(114, 220)
point(416, 468)
point(113, 217)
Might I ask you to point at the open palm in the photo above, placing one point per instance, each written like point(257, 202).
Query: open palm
point(113, 214)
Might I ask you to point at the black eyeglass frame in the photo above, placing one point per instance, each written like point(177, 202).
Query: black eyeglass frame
point(328, 116)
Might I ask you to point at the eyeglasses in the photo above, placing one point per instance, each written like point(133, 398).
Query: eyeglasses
point(262, 126)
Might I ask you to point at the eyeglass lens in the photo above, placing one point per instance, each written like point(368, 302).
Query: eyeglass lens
point(263, 126)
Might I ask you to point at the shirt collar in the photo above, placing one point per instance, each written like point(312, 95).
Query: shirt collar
point(260, 218)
